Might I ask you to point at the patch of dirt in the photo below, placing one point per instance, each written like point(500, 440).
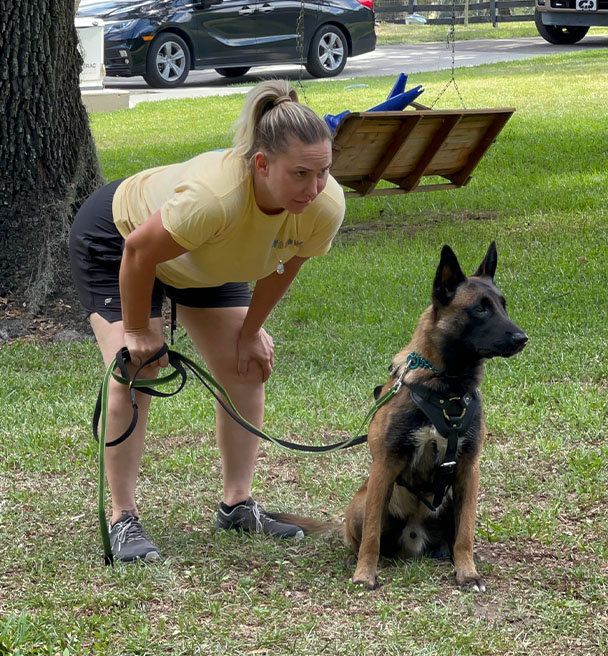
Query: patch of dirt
point(362, 229)
point(62, 322)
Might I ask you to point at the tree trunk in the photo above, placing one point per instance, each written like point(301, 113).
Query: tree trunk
point(48, 162)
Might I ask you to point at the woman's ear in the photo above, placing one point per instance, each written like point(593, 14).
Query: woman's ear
point(260, 162)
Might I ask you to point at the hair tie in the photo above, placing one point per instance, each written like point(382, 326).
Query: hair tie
point(282, 99)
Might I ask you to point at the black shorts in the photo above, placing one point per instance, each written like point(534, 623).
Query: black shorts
point(96, 249)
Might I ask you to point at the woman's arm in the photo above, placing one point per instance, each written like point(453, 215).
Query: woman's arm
point(254, 342)
point(148, 245)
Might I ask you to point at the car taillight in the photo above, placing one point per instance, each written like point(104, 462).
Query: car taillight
point(367, 3)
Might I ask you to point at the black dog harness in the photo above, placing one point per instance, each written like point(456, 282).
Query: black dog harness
point(452, 417)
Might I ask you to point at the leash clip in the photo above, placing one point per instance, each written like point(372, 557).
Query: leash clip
point(399, 383)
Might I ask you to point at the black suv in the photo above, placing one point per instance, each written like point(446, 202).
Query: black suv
point(164, 39)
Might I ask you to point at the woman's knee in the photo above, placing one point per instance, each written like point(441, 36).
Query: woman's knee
point(228, 375)
point(110, 338)
point(215, 333)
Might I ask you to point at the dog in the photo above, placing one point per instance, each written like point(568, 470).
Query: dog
point(426, 440)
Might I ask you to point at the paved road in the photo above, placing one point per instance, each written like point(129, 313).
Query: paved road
point(385, 60)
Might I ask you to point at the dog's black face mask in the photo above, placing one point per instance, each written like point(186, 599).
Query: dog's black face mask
point(480, 326)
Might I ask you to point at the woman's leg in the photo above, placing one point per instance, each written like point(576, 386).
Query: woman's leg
point(95, 252)
point(215, 332)
point(123, 460)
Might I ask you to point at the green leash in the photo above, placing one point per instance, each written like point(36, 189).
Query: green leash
point(181, 364)
point(105, 535)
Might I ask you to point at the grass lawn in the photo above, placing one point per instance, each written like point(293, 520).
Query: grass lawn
point(542, 533)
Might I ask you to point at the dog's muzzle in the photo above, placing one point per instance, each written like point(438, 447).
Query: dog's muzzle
point(513, 343)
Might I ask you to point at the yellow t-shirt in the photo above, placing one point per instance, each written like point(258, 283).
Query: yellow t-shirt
point(207, 205)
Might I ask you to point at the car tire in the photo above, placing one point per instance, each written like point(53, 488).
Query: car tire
point(328, 52)
point(167, 61)
point(232, 72)
point(557, 34)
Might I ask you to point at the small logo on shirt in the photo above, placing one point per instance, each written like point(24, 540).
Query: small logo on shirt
point(107, 301)
point(278, 243)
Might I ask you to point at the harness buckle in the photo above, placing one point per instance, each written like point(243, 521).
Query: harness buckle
point(452, 417)
point(464, 401)
point(451, 463)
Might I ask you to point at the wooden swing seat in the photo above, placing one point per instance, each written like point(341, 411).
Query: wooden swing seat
point(404, 147)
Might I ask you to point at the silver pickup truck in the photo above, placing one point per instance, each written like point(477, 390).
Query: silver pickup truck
point(567, 21)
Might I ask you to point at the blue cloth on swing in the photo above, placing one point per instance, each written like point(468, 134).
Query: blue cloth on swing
point(396, 100)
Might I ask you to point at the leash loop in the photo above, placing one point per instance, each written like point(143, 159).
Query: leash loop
point(145, 385)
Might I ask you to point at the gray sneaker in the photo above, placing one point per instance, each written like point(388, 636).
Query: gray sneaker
point(129, 542)
point(249, 516)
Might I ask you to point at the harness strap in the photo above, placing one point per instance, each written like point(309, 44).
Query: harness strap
point(444, 478)
point(452, 417)
point(447, 470)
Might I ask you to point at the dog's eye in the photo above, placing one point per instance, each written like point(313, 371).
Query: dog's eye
point(484, 306)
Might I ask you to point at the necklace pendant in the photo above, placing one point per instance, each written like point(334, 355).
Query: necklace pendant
point(280, 267)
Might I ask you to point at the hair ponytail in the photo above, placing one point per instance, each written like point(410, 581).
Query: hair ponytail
point(271, 116)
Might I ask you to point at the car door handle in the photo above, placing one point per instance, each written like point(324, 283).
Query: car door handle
point(266, 9)
point(246, 11)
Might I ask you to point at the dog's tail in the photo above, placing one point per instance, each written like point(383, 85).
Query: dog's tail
point(312, 526)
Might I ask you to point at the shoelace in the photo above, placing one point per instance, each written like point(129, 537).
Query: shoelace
point(130, 531)
point(255, 509)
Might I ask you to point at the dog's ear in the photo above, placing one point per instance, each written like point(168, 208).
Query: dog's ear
point(449, 275)
point(488, 266)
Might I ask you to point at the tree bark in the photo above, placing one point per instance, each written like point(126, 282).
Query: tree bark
point(48, 161)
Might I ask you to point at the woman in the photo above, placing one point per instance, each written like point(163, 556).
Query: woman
point(199, 232)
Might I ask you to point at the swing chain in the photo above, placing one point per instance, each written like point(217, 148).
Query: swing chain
point(300, 47)
point(451, 41)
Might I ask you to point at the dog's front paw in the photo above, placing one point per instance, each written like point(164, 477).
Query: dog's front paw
point(471, 583)
point(370, 583)
point(368, 579)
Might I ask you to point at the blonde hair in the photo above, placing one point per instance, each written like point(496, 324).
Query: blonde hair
point(272, 116)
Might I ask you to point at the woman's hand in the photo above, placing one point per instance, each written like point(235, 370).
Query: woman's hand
point(254, 342)
point(257, 347)
point(142, 344)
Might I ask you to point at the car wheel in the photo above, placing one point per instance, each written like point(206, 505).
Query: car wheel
point(167, 62)
point(328, 52)
point(557, 34)
point(233, 72)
